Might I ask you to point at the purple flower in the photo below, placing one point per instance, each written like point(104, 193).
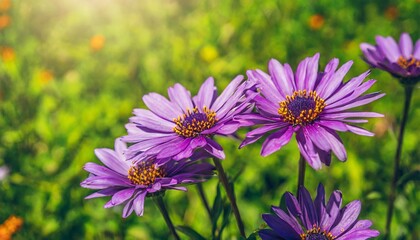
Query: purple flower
point(313, 105)
point(4, 171)
point(313, 220)
point(401, 60)
point(175, 128)
point(130, 184)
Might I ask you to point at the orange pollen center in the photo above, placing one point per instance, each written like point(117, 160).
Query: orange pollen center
point(316, 234)
point(406, 63)
point(194, 122)
point(145, 173)
point(301, 108)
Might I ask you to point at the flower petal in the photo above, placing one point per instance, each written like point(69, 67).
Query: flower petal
point(195, 143)
point(292, 205)
point(290, 220)
point(110, 159)
point(388, 47)
point(268, 234)
point(333, 209)
point(335, 80)
point(281, 227)
point(307, 150)
point(138, 203)
point(206, 95)
point(349, 216)
point(334, 141)
point(122, 196)
point(283, 84)
point(406, 45)
point(104, 192)
point(214, 149)
point(266, 108)
point(312, 72)
point(369, 53)
point(309, 217)
point(360, 131)
point(276, 140)
point(150, 120)
point(227, 93)
point(256, 134)
point(266, 85)
point(161, 106)
point(170, 150)
point(128, 208)
point(361, 235)
point(179, 95)
point(319, 202)
point(416, 53)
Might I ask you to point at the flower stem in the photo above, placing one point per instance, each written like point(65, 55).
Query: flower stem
point(203, 198)
point(301, 174)
point(161, 205)
point(230, 195)
point(408, 94)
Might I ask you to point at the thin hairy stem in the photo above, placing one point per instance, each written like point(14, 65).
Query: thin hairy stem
point(392, 195)
point(161, 205)
point(230, 195)
point(301, 174)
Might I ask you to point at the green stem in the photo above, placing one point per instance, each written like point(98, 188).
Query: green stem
point(301, 174)
point(408, 94)
point(161, 205)
point(230, 195)
point(203, 198)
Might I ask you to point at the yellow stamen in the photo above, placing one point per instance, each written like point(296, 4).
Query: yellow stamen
point(318, 232)
point(301, 108)
point(145, 173)
point(406, 63)
point(194, 122)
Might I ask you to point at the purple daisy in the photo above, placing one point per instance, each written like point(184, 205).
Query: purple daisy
point(175, 128)
point(313, 220)
point(130, 184)
point(313, 105)
point(400, 59)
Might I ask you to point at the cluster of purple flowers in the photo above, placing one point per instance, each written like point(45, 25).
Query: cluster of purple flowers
point(167, 141)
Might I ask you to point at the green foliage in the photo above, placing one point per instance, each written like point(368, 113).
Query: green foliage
point(72, 71)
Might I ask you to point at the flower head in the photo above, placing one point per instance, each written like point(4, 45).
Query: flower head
point(97, 42)
point(401, 59)
point(311, 104)
point(130, 184)
point(176, 128)
point(310, 220)
point(4, 171)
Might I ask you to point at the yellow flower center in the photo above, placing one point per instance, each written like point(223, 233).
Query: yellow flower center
point(301, 108)
point(406, 63)
point(316, 234)
point(194, 122)
point(145, 173)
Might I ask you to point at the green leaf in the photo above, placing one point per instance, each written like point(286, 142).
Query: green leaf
point(239, 173)
point(413, 175)
point(216, 209)
point(190, 232)
point(253, 236)
point(226, 217)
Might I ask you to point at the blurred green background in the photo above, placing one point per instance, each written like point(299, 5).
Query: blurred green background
point(72, 71)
